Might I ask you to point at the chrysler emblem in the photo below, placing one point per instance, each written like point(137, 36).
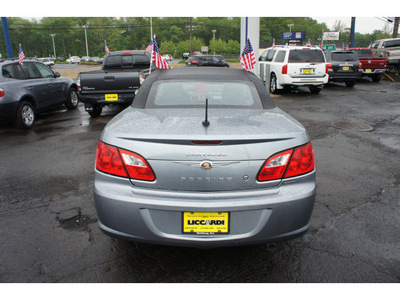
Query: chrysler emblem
point(206, 165)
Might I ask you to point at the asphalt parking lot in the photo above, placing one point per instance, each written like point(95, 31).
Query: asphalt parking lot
point(48, 221)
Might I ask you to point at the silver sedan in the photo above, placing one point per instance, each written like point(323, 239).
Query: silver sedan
point(204, 158)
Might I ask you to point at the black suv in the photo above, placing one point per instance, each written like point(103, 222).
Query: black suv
point(30, 88)
point(343, 66)
point(207, 61)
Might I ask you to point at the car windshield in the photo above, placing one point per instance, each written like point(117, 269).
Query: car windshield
point(343, 56)
point(306, 55)
point(363, 53)
point(194, 93)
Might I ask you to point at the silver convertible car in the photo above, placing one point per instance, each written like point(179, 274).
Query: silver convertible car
point(204, 158)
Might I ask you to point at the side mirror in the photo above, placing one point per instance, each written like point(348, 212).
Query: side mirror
point(56, 74)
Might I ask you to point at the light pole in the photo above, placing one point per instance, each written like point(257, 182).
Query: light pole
point(290, 27)
point(54, 46)
point(86, 27)
point(214, 31)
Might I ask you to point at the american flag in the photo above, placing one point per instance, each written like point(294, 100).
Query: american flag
point(156, 57)
point(248, 59)
point(273, 43)
point(370, 45)
point(105, 46)
point(308, 43)
point(21, 55)
point(150, 47)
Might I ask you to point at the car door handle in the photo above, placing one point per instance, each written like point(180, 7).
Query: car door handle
point(30, 87)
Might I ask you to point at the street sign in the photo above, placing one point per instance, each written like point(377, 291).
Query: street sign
point(329, 47)
point(331, 36)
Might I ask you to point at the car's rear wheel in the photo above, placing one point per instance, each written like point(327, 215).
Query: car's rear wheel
point(73, 100)
point(96, 111)
point(376, 78)
point(272, 84)
point(350, 83)
point(315, 89)
point(25, 115)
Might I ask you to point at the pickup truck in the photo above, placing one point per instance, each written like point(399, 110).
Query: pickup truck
point(121, 74)
point(389, 48)
point(372, 66)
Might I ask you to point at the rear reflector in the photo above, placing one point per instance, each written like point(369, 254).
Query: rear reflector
point(328, 67)
point(123, 163)
point(206, 142)
point(289, 163)
point(2, 93)
point(284, 69)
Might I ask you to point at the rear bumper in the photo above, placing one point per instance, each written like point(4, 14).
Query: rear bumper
point(99, 99)
point(155, 216)
point(371, 72)
point(302, 81)
point(342, 77)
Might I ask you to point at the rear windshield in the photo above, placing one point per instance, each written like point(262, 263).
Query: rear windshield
point(126, 61)
point(306, 55)
point(394, 43)
point(363, 53)
point(338, 56)
point(181, 94)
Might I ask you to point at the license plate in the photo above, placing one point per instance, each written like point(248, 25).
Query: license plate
point(111, 97)
point(307, 71)
point(346, 68)
point(368, 70)
point(205, 223)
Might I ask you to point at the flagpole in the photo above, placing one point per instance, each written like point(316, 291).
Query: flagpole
point(152, 50)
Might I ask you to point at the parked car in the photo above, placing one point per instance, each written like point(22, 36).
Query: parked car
point(96, 60)
point(47, 61)
point(85, 59)
point(31, 88)
point(73, 60)
point(287, 66)
point(371, 66)
point(121, 75)
point(207, 60)
point(167, 174)
point(389, 48)
point(185, 55)
point(60, 58)
point(343, 66)
point(167, 57)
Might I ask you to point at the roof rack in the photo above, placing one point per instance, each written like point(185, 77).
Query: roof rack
point(16, 59)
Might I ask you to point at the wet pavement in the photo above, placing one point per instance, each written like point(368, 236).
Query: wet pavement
point(48, 221)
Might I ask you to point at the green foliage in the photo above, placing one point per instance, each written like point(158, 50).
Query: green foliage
point(172, 34)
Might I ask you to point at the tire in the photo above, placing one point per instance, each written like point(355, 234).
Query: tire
point(350, 83)
point(376, 78)
point(272, 84)
point(95, 113)
point(25, 115)
point(72, 100)
point(315, 89)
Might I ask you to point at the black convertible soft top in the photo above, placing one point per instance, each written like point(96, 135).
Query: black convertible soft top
point(202, 73)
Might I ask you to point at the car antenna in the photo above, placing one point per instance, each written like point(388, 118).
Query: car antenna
point(205, 122)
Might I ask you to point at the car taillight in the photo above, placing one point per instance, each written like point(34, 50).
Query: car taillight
point(2, 93)
point(137, 166)
point(360, 66)
point(78, 83)
point(123, 163)
point(328, 67)
point(108, 160)
point(284, 69)
point(195, 62)
point(287, 164)
point(388, 54)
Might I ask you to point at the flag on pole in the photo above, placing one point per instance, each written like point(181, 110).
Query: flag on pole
point(248, 59)
point(370, 45)
point(273, 43)
point(150, 46)
point(308, 43)
point(156, 57)
point(21, 55)
point(105, 46)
